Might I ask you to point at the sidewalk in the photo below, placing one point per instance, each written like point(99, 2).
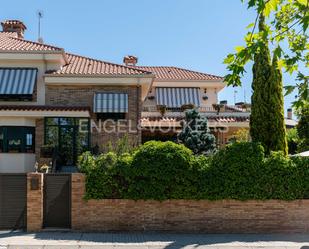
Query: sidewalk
point(68, 240)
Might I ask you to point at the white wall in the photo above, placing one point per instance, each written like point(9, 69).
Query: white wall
point(16, 162)
point(212, 95)
point(17, 121)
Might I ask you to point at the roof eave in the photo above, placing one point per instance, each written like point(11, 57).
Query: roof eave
point(191, 80)
point(101, 75)
point(32, 51)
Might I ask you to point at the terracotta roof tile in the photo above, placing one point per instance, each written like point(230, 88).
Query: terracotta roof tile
point(42, 108)
point(176, 73)
point(9, 42)
point(80, 65)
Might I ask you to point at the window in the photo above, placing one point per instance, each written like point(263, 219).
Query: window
point(112, 116)
point(16, 139)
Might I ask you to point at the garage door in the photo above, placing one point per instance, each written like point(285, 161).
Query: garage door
point(13, 201)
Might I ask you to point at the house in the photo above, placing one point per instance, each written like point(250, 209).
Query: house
point(54, 105)
point(48, 98)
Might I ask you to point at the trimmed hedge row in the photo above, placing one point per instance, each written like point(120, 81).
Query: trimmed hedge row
point(165, 170)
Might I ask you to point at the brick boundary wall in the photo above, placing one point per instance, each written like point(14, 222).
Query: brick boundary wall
point(227, 216)
point(34, 203)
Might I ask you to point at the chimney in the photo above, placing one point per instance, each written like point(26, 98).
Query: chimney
point(130, 60)
point(14, 26)
point(290, 113)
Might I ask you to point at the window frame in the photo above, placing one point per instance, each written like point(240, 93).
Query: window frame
point(23, 132)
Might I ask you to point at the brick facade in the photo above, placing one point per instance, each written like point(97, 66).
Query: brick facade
point(227, 216)
point(83, 96)
point(34, 203)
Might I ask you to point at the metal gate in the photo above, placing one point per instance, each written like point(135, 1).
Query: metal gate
point(13, 201)
point(57, 200)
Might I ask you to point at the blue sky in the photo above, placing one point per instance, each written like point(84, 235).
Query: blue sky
point(193, 34)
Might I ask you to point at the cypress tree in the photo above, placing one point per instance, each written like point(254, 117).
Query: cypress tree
point(259, 126)
point(277, 130)
point(267, 112)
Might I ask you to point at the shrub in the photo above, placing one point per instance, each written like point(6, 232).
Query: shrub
point(196, 134)
point(105, 174)
point(235, 172)
point(165, 170)
point(162, 170)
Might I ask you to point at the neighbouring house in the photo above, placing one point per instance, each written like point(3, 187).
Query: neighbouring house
point(55, 105)
point(171, 92)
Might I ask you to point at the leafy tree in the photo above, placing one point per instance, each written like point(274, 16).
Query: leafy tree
point(196, 135)
point(303, 130)
point(287, 25)
point(293, 140)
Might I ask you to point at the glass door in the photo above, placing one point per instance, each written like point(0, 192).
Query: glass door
point(67, 150)
point(71, 137)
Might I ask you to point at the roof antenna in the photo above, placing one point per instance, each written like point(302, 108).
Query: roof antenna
point(40, 16)
point(245, 96)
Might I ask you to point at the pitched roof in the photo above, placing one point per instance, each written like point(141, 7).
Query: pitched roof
point(80, 65)
point(176, 73)
point(10, 42)
point(77, 65)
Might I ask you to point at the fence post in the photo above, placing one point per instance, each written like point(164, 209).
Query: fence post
point(35, 182)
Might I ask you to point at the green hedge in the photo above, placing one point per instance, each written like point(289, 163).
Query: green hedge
point(160, 171)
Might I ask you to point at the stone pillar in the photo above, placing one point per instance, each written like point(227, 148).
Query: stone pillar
point(34, 202)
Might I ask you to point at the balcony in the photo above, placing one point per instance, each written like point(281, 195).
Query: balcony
point(209, 110)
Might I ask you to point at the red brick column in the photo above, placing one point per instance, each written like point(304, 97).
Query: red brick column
point(77, 192)
point(34, 202)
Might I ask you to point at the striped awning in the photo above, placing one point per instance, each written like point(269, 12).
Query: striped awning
point(175, 97)
point(17, 81)
point(110, 103)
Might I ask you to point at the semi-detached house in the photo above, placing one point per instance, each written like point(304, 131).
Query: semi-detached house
point(55, 105)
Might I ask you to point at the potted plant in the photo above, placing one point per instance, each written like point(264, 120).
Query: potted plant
point(47, 151)
point(161, 109)
point(218, 107)
point(187, 107)
point(44, 168)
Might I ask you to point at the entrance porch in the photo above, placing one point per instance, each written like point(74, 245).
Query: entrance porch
point(45, 135)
